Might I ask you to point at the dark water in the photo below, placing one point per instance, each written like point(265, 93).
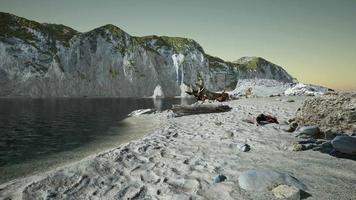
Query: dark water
point(31, 129)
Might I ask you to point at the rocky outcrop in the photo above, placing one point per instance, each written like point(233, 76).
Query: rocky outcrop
point(43, 60)
point(333, 113)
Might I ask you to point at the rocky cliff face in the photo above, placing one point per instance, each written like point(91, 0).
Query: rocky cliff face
point(49, 60)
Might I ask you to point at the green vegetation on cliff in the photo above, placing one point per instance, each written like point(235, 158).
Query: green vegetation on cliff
point(24, 29)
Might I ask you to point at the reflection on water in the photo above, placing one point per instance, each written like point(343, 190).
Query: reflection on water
point(32, 129)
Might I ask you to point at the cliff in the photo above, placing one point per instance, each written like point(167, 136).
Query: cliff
point(50, 60)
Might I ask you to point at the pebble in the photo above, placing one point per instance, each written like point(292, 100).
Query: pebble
point(286, 192)
point(345, 144)
point(245, 148)
point(228, 134)
point(298, 147)
point(265, 180)
point(219, 178)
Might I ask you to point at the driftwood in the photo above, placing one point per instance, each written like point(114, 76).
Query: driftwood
point(202, 94)
point(181, 110)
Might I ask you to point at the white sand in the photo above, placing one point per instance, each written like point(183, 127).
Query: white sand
point(181, 158)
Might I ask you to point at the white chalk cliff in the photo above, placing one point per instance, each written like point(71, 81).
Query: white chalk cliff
point(49, 60)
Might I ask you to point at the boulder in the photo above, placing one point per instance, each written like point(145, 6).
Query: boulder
point(309, 132)
point(345, 144)
point(265, 180)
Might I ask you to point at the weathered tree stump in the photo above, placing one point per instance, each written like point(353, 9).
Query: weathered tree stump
point(202, 94)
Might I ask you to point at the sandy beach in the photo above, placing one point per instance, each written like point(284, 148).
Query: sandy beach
point(181, 158)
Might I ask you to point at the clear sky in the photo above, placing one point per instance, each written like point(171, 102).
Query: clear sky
point(314, 40)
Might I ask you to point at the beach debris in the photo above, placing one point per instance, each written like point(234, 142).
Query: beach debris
point(309, 132)
point(245, 148)
point(344, 144)
point(286, 192)
point(202, 94)
point(266, 180)
point(219, 178)
point(181, 110)
point(141, 112)
point(263, 119)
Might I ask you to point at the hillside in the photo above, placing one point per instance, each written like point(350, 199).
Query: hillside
point(50, 60)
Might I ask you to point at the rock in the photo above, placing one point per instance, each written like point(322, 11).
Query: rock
point(290, 100)
point(245, 148)
point(265, 180)
point(309, 146)
point(308, 141)
point(219, 178)
point(320, 141)
point(291, 120)
point(286, 192)
point(298, 147)
point(228, 134)
point(308, 132)
point(292, 127)
point(345, 144)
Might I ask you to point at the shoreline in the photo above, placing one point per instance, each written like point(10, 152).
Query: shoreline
point(133, 131)
point(180, 159)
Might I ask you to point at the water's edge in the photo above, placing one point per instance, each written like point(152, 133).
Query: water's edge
point(133, 127)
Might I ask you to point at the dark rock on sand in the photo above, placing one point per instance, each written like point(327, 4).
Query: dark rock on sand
point(345, 144)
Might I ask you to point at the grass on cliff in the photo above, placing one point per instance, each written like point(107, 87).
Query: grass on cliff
point(13, 26)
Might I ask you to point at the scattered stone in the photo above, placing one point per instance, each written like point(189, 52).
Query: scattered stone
point(286, 192)
point(292, 127)
point(309, 146)
point(228, 134)
point(265, 180)
point(298, 147)
point(219, 178)
point(218, 123)
point(245, 148)
point(308, 141)
point(320, 141)
point(309, 132)
point(333, 113)
point(317, 148)
point(345, 144)
point(291, 120)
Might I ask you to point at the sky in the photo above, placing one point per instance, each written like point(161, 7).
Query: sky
point(314, 40)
